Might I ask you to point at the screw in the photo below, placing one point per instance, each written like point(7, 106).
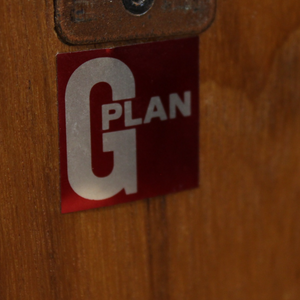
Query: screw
point(137, 7)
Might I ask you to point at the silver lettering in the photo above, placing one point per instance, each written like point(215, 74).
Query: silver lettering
point(183, 107)
point(106, 116)
point(128, 115)
point(155, 110)
point(123, 143)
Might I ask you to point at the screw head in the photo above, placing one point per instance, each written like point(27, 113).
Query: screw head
point(137, 7)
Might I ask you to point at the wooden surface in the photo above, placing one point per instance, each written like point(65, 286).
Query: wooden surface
point(237, 237)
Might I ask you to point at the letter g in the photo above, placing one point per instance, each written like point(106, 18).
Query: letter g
point(122, 143)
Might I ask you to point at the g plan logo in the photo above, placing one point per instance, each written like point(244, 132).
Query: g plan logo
point(128, 123)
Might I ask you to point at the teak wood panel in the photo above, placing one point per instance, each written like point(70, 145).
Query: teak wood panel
point(237, 237)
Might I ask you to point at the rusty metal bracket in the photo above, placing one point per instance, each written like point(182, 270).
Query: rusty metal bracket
point(96, 21)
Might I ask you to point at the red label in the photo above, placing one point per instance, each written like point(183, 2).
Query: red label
point(129, 123)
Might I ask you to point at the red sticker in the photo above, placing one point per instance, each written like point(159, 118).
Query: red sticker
point(128, 121)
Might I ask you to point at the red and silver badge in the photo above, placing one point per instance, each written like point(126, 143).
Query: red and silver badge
point(128, 120)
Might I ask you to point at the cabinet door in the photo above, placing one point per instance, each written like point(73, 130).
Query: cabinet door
point(235, 237)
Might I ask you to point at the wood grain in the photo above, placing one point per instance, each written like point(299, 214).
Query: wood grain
point(237, 237)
